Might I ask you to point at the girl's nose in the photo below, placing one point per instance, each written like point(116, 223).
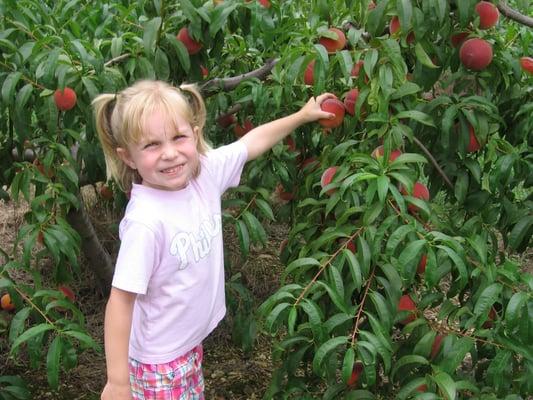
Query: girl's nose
point(169, 152)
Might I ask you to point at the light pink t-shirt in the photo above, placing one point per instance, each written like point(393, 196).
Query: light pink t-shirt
point(171, 255)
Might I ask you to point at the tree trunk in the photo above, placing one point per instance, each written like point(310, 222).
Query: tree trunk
point(99, 259)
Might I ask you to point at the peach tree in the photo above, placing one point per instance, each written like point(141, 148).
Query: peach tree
point(407, 220)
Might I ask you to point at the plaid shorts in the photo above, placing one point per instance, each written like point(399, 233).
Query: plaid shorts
point(180, 379)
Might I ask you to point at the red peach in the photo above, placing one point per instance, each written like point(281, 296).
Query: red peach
point(65, 99)
point(394, 25)
point(68, 292)
point(407, 304)
point(350, 99)
point(380, 150)
point(490, 318)
point(327, 177)
point(241, 130)
point(458, 38)
point(527, 64)
point(422, 264)
point(473, 144)
point(420, 191)
point(435, 347)
point(333, 45)
point(226, 120)
point(475, 54)
point(309, 78)
point(335, 106)
point(488, 14)
point(6, 303)
point(192, 46)
point(265, 3)
point(356, 374)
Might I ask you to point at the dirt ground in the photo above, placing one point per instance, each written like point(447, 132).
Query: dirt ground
point(229, 373)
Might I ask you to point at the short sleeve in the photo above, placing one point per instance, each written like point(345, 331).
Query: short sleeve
point(136, 258)
point(225, 164)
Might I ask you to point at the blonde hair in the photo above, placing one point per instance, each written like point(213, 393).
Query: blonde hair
point(121, 120)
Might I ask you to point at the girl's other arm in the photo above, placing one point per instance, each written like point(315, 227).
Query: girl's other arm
point(264, 137)
point(117, 327)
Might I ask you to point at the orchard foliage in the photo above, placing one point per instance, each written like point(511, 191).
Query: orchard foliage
point(355, 245)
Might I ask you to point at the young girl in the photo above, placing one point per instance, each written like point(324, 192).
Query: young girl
point(167, 292)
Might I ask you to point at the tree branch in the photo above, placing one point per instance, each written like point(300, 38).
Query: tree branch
point(213, 86)
point(514, 15)
point(434, 162)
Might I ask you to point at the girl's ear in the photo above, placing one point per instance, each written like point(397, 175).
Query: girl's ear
point(125, 156)
point(196, 131)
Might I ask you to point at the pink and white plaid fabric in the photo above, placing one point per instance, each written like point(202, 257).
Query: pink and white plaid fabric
point(180, 379)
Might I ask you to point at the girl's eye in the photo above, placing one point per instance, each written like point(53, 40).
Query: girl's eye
point(179, 136)
point(148, 145)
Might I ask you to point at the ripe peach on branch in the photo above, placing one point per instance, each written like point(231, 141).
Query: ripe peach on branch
point(192, 46)
point(65, 99)
point(488, 14)
point(333, 45)
point(335, 106)
point(476, 54)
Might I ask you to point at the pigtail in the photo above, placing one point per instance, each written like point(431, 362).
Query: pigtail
point(198, 109)
point(105, 106)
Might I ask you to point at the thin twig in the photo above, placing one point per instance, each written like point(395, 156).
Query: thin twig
point(361, 306)
point(434, 162)
point(328, 262)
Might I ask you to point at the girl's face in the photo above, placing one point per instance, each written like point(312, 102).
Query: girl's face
point(166, 157)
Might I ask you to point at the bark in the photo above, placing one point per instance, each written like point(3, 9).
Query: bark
point(514, 15)
point(99, 259)
point(213, 86)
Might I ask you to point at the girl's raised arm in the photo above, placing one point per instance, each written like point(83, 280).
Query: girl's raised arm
point(264, 137)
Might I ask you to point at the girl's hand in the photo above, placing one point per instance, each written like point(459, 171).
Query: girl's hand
point(311, 111)
point(116, 392)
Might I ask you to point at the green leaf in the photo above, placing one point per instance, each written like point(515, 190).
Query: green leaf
point(265, 208)
point(347, 364)
point(30, 333)
point(244, 237)
point(8, 88)
point(397, 237)
point(181, 52)
point(446, 384)
point(335, 297)
point(325, 349)
point(257, 232)
point(383, 187)
point(418, 116)
point(162, 66)
point(274, 315)
point(18, 323)
point(151, 29)
point(23, 96)
point(355, 268)
point(487, 298)
point(116, 46)
point(423, 57)
point(459, 263)
point(520, 236)
point(83, 338)
point(409, 256)
point(405, 360)
point(515, 305)
point(405, 13)
point(52, 362)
